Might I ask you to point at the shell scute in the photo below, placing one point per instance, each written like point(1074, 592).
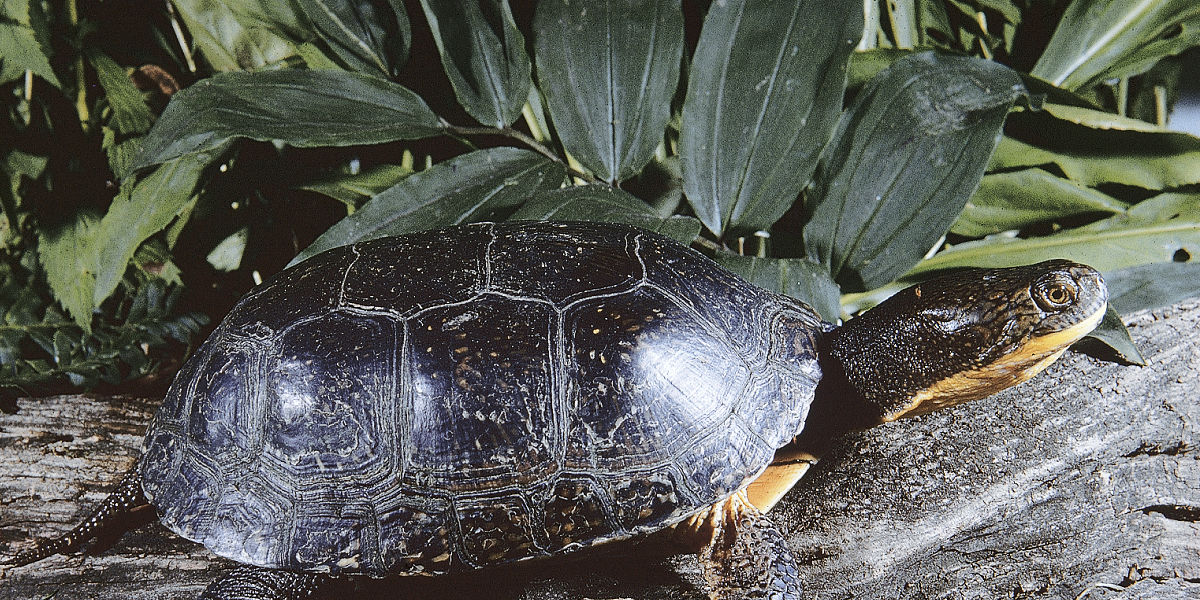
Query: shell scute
point(654, 496)
point(311, 287)
point(496, 529)
point(194, 493)
point(261, 516)
point(226, 420)
point(326, 400)
point(479, 378)
point(715, 295)
point(644, 377)
point(417, 531)
point(720, 465)
point(339, 535)
point(402, 275)
point(577, 509)
point(579, 263)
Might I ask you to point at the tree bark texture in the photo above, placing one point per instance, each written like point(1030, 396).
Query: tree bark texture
point(1083, 483)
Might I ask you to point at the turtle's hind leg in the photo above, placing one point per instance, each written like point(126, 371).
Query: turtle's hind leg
point(748, 557)
point(115, 509)
point(257, 583)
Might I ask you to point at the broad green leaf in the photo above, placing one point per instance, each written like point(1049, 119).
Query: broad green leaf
point(1097, 119)
point(14, 165)
point(1016, 199)
point(865, 65)
point(794, 277)
point(1113, 333)
point(1157, 230)
point(67, 253)
point(483, 54)
point(247, 34)
point(609, 70)
point(122, 153)
point(23, 163)
point(294, 107)
point(1152, 286)
point(1106, 39)
point(1094, 147)
point(141, 209)
point(603, 203)
point(369, 37)
point(131, 115)
point(466, 188)
point(764, 93)
point(315, 57)
point(355, 189)
point(903, 162)
point(1150, 161)
point(17, 164)
point(63, 346)
point(20, 48)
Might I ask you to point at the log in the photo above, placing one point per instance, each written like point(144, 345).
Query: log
point(1083, 483)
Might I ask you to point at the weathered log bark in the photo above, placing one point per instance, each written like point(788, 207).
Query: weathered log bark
point(1084, 483)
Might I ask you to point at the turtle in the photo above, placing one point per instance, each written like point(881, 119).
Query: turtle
point(468, 397)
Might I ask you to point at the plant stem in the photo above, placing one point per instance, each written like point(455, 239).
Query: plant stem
point(180, 39)
point(704, 242)
point(983, 48)
point(531, 121)
point(1123, 97)
point(80, 77)
point(1160, 105)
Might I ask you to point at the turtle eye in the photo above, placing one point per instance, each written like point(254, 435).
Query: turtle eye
point(1055, 293)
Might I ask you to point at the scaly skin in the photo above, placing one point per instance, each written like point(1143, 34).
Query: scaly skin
point(256, 583)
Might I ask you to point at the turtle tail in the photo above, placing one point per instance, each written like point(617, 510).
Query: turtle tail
point(115, 510)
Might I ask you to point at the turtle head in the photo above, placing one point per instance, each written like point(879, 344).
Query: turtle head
point(963, 336)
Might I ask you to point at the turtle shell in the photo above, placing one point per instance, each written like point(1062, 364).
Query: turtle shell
point(475, 395)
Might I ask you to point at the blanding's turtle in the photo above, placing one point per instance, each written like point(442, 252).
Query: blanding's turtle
point(466, 397)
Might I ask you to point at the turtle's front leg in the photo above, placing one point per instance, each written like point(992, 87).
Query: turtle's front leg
point(748, 557)
point(256, 583)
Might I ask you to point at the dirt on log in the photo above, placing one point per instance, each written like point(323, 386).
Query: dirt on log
point(1083, 483)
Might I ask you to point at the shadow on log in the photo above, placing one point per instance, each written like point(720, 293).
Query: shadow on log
point(1083, 483)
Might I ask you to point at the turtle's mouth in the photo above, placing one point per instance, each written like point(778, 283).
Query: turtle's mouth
point(1024, 362)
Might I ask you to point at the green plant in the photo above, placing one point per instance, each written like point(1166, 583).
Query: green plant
point(73, 119)
point(42, 350)
point(960, 132)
